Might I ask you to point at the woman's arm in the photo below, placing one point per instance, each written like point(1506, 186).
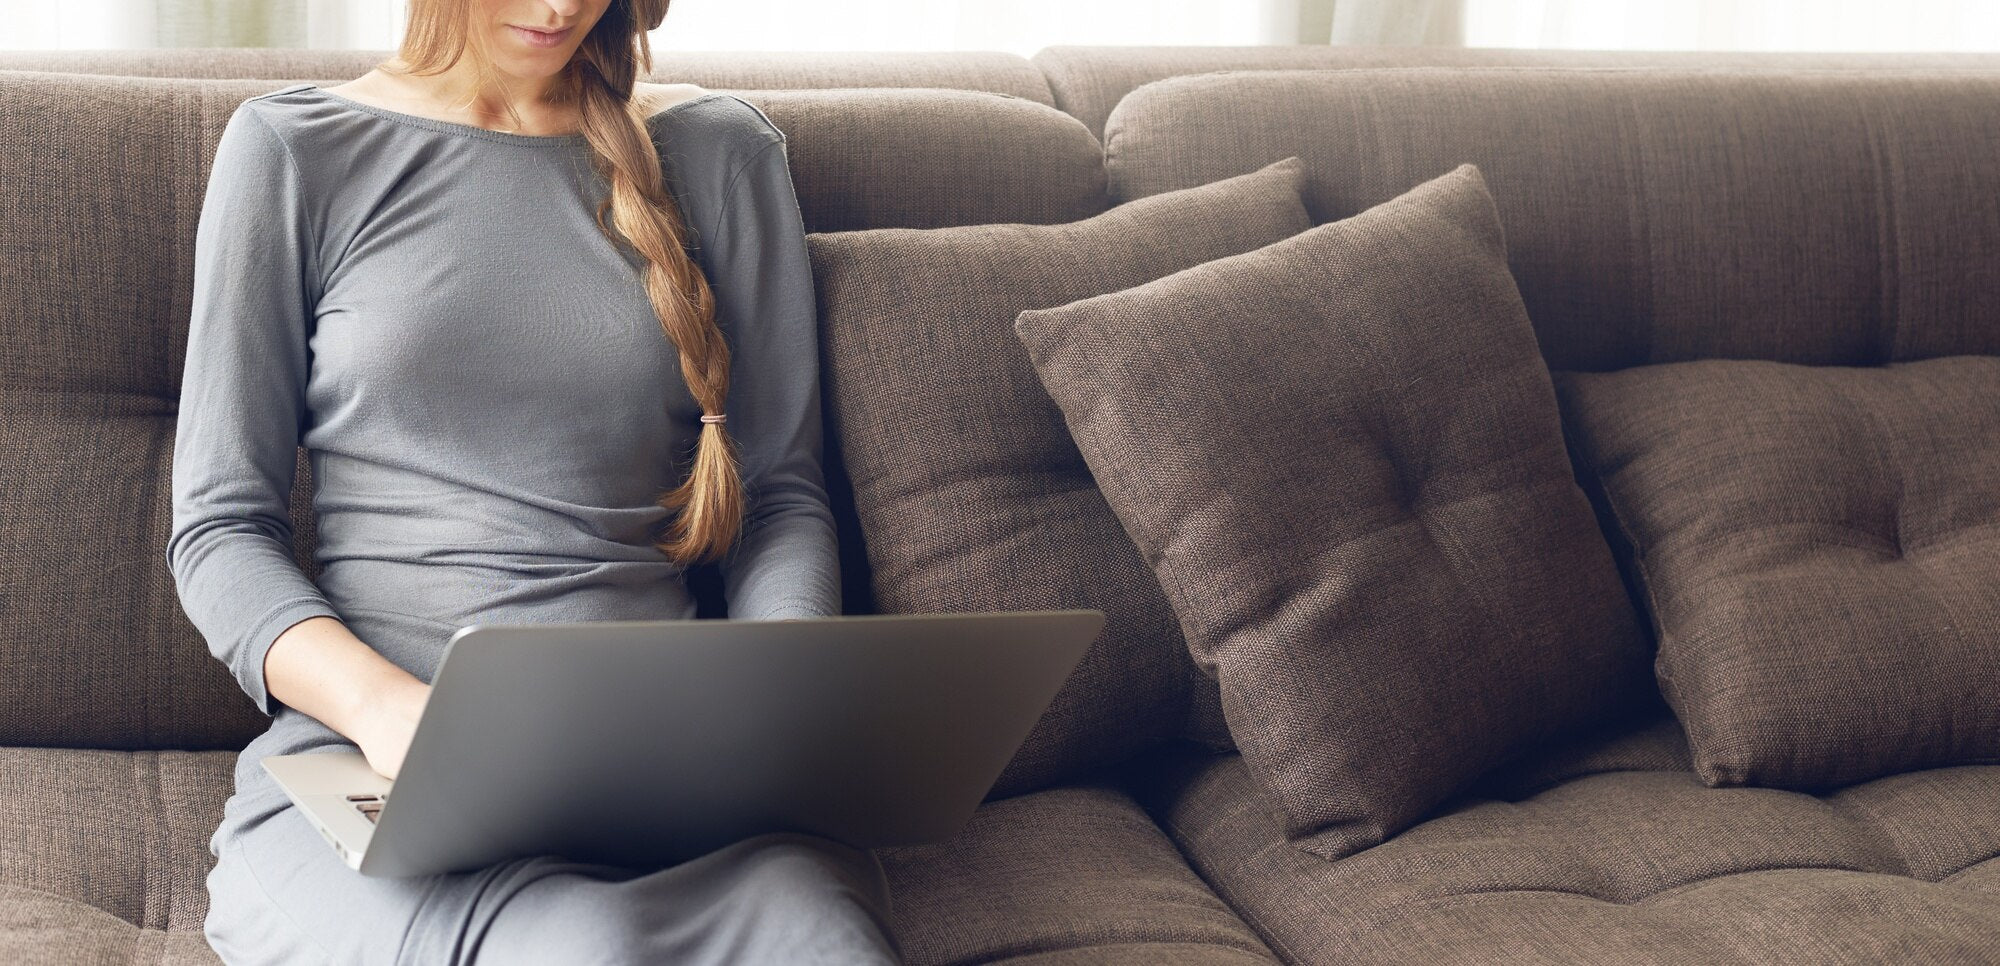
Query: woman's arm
point(319, 667)
point(242, 406)
point(787, 562)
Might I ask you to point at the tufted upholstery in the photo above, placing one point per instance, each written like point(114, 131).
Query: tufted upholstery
point(1416, 594)
point(1077, 872)
point(106, 857)
point(1623, 855)
point(1820, 547)
point(971, 491)
point(106, 852)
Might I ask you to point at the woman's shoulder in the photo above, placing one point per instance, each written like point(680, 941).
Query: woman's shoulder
point(655, 98)
point(288, 105)
point(260, 132)
point(292, 118)
point(720, 116)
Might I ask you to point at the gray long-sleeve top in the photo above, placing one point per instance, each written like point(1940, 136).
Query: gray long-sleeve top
point(489, 404)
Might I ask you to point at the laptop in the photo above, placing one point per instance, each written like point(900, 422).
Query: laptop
point(647, 743)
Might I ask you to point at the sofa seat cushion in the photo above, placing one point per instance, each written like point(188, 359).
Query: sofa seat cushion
point(1622, 855)
point(38, 927)
point(105, 856)
point(105, 860)
point(1075, 874)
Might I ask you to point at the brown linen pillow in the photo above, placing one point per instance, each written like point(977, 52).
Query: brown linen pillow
point(1820, 549)
point(969, 493)
point(1342, 456)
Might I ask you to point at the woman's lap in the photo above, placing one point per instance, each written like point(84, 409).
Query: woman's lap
point(279, 894)
point(771, 899)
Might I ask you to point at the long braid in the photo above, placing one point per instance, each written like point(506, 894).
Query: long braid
point(708, 505)
point(640, 213)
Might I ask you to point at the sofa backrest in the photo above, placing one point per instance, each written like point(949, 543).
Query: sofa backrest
point(1652, 215)
point(1087, 82)
point(106, 177)
point(995, 72)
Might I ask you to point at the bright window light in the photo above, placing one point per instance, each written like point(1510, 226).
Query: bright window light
point(1797, 25)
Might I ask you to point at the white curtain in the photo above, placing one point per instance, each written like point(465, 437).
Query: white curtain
point(1400, 23)
point(1018, 26)
point(125, 24)
point(1816, 25)
point(1026, 26)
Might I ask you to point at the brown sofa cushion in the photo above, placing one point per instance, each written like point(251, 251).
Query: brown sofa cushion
point(105, 854)
point(968, 490)
point(1625, 858)
point(1077, 874)
point(1342, 455)
point(1821, 550)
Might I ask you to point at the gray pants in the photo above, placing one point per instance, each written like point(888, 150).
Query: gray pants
point(279, 894)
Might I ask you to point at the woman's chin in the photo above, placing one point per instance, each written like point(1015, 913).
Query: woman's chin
point(534, 66)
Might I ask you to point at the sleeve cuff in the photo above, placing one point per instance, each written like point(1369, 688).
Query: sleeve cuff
point(250, 672)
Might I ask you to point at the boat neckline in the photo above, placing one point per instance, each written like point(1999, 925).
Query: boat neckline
point(474, 130)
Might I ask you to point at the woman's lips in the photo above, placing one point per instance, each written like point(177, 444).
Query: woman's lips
point(536, 38)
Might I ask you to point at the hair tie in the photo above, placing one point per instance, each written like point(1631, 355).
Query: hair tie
point(718, 417)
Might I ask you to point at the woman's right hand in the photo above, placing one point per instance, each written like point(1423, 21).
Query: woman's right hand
point(390, 724)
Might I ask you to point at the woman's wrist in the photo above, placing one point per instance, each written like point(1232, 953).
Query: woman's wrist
point(378, 700)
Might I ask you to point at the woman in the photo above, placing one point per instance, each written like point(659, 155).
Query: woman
point(506, 297)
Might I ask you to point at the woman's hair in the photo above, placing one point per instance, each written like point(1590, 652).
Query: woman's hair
point(599, 79)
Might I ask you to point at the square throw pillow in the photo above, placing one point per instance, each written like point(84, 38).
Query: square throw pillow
point(1820, 550)
point(1342, 457)
point(969, 492)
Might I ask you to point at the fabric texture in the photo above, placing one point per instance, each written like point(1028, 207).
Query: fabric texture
point(106, 863)
point(1731, 209)
point(967, 486)
point(1342, 456)
point(1820, 550)
point(106, 844)
point(1076, 871)
point(1088, 81)
point(93, 300)
point(1654, 214)
point(1614, 852)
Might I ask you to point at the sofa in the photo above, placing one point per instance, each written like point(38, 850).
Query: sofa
point(1784, 213)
